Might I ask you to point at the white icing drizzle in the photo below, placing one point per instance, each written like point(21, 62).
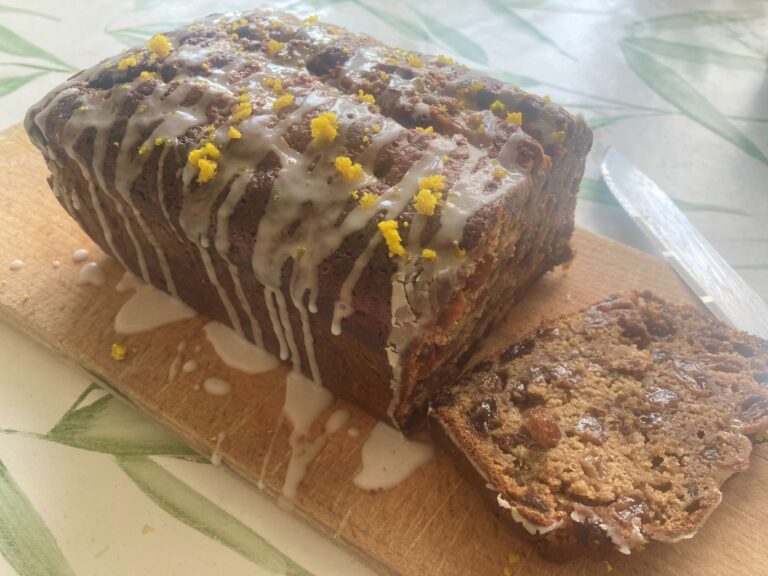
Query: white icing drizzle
point(394, 201)
point(469, 195)
point(388, 458)
point(216, 455)
point(216, 386)
point(236, 352)
point(80, 255)
point(91, 273)
point(105, 118)
point(305, 400)
point(268, 455)
point(71, 134)
point(171, 121)
point(56, 264)
point(303, 453)
point(149, 308)
point(173, 370)
point(128, 282)
point(16, 265)
point(342, 308)
point(189, 366)
point(530, 527)
point(624, 543)
point(234, 318)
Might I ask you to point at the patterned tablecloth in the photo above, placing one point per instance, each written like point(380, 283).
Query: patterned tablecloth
point(680, 89)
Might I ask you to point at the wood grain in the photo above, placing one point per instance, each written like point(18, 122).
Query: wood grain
point(431, 524)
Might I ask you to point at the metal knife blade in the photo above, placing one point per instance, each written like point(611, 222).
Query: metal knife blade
point(719, 287)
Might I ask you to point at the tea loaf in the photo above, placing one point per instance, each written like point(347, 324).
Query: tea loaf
point(611, 427)
point(363, 212)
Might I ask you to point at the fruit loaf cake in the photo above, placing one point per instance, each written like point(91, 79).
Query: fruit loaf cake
point(610, 427)
point(365, 213)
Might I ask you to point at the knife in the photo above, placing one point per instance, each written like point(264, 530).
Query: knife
point(717, 285)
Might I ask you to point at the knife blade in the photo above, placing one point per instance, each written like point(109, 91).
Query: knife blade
point(711, 278)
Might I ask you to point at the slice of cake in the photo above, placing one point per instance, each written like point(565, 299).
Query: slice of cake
point(613, 426)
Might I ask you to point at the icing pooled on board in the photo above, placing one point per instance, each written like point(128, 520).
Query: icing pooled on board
point(389, 458)
point(236, 352)
point(80, 255)
point(149, 308)
point(128, 282)
point(91, 273)
point(189, 366)
point(305, 401)
point(173, 370)
point(216, 386)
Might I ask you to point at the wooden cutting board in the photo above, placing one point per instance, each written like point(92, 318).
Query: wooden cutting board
point(433, 523)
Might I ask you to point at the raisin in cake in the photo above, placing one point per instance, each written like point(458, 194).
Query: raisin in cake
point(613, 426)
point(365, 213)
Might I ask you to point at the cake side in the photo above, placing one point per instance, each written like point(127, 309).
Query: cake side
point(219, 157)
point(611, 427)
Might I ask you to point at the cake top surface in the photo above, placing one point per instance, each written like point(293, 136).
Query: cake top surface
point(627, 416)
point(357, 132)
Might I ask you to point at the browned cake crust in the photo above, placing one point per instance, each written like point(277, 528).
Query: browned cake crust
point(211, 163)
point(613, 426)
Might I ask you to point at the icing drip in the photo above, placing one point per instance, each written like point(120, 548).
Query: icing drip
point(389, 458)
point(304, 402)
point(189, 366)
point(16, 265)
point(173, 371)
point(56, 263)
point(469, 194)
point(394, 200)
point(216, 456)
point(270, 449)
point(91, 273)
point(530, 527)
point(128, 282)
point(411, 284)
point(149, 308)
point(234, 318)
point(238, 353)
point(80, 255)
point(217, 386)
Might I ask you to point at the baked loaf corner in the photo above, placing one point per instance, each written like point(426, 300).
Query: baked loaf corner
point(611, 427)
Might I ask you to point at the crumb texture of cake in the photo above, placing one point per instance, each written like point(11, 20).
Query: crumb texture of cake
point(611, 427)
point(363, 212)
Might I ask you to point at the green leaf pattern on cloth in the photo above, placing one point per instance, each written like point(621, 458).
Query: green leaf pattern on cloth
point(101, 427)
point(17, 10)
point(12, 43)
point(405, 27)
point(453, 39)
point(517, 22)
point(134, 36)
point(12, 83)
point(25, 541)
point(687, 20)
point(698, 54)
point(673, 88)
point(189, 507)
